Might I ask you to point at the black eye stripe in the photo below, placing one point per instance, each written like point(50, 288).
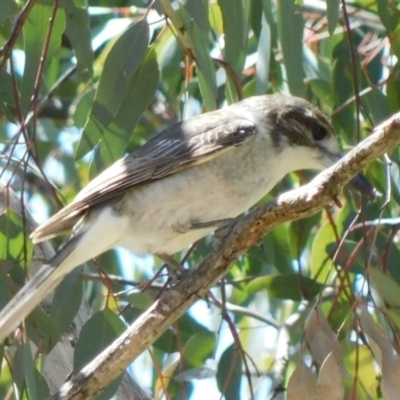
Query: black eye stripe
point(318, 131)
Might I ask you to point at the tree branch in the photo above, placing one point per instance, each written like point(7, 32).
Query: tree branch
point(231, 243)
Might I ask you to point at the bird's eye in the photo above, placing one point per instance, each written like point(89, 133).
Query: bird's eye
point(318, 131)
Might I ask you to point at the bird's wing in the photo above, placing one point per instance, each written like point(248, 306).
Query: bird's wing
point(177, 148)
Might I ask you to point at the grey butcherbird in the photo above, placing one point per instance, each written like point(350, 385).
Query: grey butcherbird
point(208, 168)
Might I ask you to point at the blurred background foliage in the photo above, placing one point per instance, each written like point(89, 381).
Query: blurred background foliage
point(315, 305)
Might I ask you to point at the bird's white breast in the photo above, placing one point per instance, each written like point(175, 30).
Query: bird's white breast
point(161, 213)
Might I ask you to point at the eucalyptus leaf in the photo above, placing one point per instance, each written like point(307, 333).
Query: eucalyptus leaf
point(36, 32)
point(229, 373)
point(198, 348)
point(121, 64)
point(8, 8)
point(332, 12)
point(290, 287)
point(77, 30)
point(386, 286)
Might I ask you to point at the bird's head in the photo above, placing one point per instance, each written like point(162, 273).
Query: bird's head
point(302, 135)
point(300, 130)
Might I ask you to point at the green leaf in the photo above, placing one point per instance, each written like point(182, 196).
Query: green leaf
point(83, 107)
point(291, 25)
point(236, 23)
point(35, 32)
point(29, 369)
point(277, 249)
point(321, 87)
point(98, 333)
point(167, 342)
point(332, 12)
point(386, 286)
point(389, 15)
point(320, 260)
point(14, 246)
point(36, 385)
point(42, 330)
point(394, 315)
point(5, 287)
point(8, 8)
point(6, 90)
point(123, 60)
point(376, 106)
point(344, 254)
point(189, 326)
point(78, 33)
point(343, 89)
point(256, 15)
point(140, 300)
point(139, 92)
point(199, 12)
point(199, 348)
point(301, 232)
point(339, 316)
point(205, 67)
point(393, 89)
point(169, 58)
point(392, 255)
point(229, 373)
point(294, 287)
point(67, 300)
point(263, 58)
point(18, 367)
point(207, 91)
point(269, 10)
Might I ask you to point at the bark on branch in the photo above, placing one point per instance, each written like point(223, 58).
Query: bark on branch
point(231, 243)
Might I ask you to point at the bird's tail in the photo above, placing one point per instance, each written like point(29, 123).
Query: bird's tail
point(99, 232)
point(37, 288)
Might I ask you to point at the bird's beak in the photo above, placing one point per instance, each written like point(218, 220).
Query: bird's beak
point(359, 182)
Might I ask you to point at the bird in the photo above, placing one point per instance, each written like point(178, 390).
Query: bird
point(168, 193)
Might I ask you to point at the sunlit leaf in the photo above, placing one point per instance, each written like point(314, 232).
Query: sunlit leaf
point(387, 288)
point(36, 32)
point(121, 64)
point(289, 286)
point(332, 12)
point(290, 24)
point(14, 245)
point(235, 19)
point(199, 347)
point(264, 58)
point(205, 71)
point(77, 30)
point(139, 91)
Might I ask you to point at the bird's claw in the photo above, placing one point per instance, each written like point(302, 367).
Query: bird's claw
point(217, 224)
